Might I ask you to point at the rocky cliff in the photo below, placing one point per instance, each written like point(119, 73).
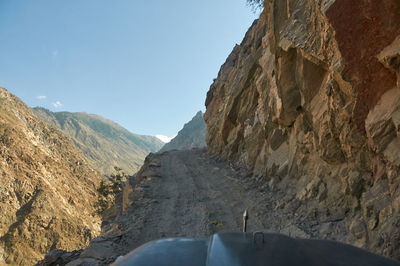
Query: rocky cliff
point(192, 135)
point(47, 188)
point(310, 101)
point(104, 143)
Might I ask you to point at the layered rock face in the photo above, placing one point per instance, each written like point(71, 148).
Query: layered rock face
point(104, 143)
point(310, 101)
point(47, 188)
point(192, 135)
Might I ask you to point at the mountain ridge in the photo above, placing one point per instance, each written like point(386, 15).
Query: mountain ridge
point(105, 143)
point(192, 135)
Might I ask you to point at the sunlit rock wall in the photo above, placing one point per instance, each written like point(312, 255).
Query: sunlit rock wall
point(311, 101)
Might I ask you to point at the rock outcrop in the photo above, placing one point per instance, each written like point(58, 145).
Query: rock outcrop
point(192, 135)
point(310, 101)
point(47, 188)
point(104, 143)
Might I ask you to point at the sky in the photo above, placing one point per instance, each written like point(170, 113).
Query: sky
point(145, 64)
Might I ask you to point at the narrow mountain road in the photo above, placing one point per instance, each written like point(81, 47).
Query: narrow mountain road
point(190, 194)
point(184, 194)
point(195, 196)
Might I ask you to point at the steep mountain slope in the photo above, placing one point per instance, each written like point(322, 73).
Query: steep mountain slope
point(105, 143)
point(305, 113)
point(309, 101)
point(47, 188)
point(192, 135)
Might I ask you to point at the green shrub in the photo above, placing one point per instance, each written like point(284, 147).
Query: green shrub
point(108, 190)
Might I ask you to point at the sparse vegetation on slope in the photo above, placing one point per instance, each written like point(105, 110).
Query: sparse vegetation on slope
point(108, 190)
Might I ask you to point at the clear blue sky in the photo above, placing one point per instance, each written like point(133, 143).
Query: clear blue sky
point(146, 64)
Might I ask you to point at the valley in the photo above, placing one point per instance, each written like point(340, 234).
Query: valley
point(301, 129)
point(103, 142)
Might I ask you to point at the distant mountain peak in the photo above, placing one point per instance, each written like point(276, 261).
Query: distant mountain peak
point(192, 135)
point(165, 139)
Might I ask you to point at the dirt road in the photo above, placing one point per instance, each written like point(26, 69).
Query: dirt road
point(190, 194)
point(185, 194)
point(196, 196)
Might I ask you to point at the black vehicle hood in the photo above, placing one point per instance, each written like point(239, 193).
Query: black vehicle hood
point(237, 249)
